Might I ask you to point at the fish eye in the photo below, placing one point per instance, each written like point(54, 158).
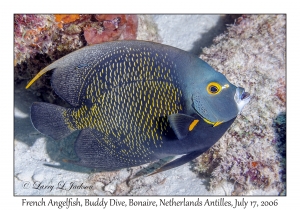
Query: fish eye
point(214, 88)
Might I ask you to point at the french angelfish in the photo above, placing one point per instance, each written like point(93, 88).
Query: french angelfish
point(136, 102)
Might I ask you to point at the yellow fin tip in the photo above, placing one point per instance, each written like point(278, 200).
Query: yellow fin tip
point(43, 71)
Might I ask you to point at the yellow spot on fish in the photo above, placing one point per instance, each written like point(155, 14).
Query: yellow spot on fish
point(193, 124)
point(208, 122)
point(217, 123)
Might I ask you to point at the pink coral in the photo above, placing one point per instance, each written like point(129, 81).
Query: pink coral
point(114, 27)
point(47, 34)
point(33, 34)
point(130, 28)
point(281, 91)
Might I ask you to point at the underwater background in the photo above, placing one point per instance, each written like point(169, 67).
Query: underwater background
point(250, 50)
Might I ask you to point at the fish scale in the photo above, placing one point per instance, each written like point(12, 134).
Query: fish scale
point(136, 102)
point(137, 86)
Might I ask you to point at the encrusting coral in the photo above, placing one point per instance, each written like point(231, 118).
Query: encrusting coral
point(47, 33)
point(252, 55)
point(41, 39)
point(113, 27)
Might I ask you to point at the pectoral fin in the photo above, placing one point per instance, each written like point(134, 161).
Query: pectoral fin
point(182, 124)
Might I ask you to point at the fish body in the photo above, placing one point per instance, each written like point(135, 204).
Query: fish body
point(136, 102)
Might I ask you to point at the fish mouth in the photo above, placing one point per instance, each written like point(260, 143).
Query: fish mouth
point(241, 98)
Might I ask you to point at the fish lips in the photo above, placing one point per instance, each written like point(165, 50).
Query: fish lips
point(241, 98)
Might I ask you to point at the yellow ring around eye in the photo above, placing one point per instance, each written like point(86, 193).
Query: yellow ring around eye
point(214, 88)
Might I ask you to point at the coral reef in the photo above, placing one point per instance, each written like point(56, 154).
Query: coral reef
point(113, 27)
point(63, 19)
point(252, 55)
point(41, 34)
point(44, 34)
point(38, 41)
point(32, 35)
point(42, 39)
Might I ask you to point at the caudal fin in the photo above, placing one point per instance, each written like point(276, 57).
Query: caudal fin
point(49, 120)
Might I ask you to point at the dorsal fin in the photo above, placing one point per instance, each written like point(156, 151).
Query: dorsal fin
point(69, 75)
point(43, 71)
point(52, 66)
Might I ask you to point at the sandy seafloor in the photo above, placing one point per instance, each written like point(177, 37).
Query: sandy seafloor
point(33, 151)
